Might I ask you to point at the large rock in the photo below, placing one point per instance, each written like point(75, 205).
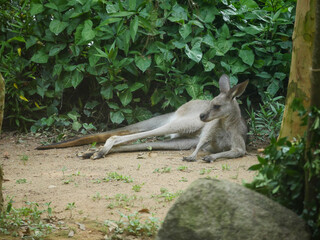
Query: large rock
point(213, 209)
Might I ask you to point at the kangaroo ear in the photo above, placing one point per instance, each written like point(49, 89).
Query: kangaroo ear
point(224, 83)
point(237, 90)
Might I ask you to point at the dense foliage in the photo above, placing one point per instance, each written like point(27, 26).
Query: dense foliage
point(69, 59)
point(288, 169)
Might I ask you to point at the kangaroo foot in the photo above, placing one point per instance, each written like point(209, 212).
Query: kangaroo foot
point(86, 155)
point(208, 159)
point(189, 159)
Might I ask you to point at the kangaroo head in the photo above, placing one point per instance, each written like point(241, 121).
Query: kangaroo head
point(224, 104)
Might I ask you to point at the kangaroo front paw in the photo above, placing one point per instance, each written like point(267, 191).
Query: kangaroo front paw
point(86, 155)
point(97, 155)
point(208, 159)
point(189, 159)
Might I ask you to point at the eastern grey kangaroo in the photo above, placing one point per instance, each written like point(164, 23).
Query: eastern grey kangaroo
point(215, 126)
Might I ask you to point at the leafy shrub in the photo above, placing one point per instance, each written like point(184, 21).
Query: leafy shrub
point(25, 221)
point(61, 55)
point(134, 226)
point(284, 174)
point(265, 123)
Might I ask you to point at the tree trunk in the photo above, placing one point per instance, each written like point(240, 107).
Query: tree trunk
point(312, 141)
point(299, 82)
point(2, 96)
point(1, 196)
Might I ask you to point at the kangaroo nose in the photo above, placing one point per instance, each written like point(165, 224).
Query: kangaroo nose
point(202, 116)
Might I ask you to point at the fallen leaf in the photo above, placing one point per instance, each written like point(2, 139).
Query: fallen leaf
point(144, 210)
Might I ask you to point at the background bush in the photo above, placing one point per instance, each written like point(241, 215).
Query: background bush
point(72, 61)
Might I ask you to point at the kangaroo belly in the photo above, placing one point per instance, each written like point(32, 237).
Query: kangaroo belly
point(221, 141)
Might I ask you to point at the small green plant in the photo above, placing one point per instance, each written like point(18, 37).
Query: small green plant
point(162, 170)
point(266, 122)
point(96, 181)
point(96, 197)
point(166, 196)
point(133, 225)
point(122, 200)
point(68, 181)
point(12, 220)
point(49, 209)
point(139, 166)
point(63, 170)
point(183, 179)
point(76, 174)
point(225, 167)
point(24, 158)
point(137, 187)
point(205, 171)
point(182, 168)
point(21, 181)
point(70, 207)
point(114, 176)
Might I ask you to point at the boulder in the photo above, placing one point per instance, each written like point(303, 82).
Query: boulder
point(214, 209)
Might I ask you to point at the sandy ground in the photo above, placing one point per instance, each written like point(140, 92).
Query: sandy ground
point(60, 177)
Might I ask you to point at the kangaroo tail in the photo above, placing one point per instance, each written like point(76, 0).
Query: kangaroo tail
point(78, 141)
point(145, 125)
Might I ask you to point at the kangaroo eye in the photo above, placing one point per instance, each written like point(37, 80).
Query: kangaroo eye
point(216, 107)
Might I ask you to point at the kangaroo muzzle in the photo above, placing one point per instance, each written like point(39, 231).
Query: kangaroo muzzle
point(203, 117)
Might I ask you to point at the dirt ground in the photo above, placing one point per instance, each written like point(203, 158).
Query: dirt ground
point(60, 177)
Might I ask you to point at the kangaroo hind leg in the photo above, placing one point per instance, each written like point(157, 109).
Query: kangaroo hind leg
point(174, 125)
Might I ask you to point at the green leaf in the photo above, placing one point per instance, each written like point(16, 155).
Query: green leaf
point(273, 88)
point(121, 87)
point(252, 30)
point(142, 114)
point(122, 14)
point(77, 78)
point(87, 33)
point(93, 58)
point(52, 6)
point(110, 20)
point(208, 14)
point(247, 56)
point(224, 31)
point(195, 53)
point(40, 57)
point(134, 24)
point(132, 5)
point(222, 46)
point(185, 30)
point(208, 66)
point(249, 4)
point(57, 26)
point(255, 167)
point(56, 49)
point(238, 67)
point(31, 41)
point(178, 14)
point(136, 86)
point(57, 69)
point(156, 97)
point(142, 62)
point(36, 8)
point(193, 88)
point(116, 117)
point(107, 92)
point(125, 97)
point(209, 39)
point(76, 126)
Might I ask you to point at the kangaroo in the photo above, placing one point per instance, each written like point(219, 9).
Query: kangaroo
point(215, 126)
